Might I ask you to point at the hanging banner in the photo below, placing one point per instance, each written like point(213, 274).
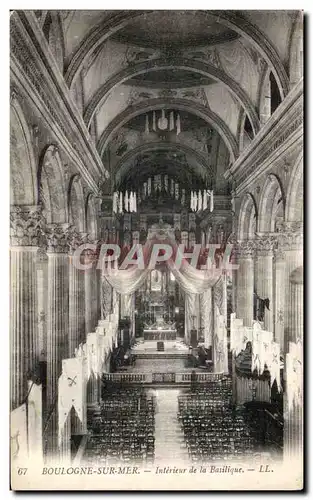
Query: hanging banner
point(92, 353)
point(72, 391)
point(294, 375)
point(34, 409)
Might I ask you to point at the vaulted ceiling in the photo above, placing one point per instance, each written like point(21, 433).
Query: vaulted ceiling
point(207, 66)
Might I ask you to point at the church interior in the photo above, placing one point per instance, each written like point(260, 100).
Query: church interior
point(128, 127)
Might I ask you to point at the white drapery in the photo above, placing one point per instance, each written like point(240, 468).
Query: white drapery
point(34, 403)
point(265, 352)
point(190, 279)
point(18, 434)
point(294, 375)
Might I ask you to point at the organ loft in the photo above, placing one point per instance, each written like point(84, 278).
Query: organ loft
point(156, 237)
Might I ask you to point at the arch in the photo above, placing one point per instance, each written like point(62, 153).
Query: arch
point(294, 197)
point(91, 216)
point(22, 160)
point(296, 51)
point(51, 183)
point(123, 164)
point(232, 19)
point(180, 104)
point(76, 205)
point(272, 193)
point(178, 63)
point(248, 218)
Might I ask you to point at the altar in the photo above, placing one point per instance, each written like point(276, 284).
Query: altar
point(160, 330)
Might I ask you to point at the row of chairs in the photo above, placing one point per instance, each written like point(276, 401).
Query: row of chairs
point(122, 428)
point(212, 429)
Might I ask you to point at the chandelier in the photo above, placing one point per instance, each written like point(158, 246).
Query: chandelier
point(153, 187)
point(124, 202)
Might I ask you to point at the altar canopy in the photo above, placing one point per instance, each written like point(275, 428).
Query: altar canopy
point(191, 279)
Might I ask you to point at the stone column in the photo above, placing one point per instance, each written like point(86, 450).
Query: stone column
point(264, 283)
point(42, 278)
point(190, 311)
point(98, 296)
point(296, 296)
point(293, 401)
point(106, 298)
point(245, 282)
point(206, 316)
point(25, 229)
point(57, 321)
point(76, 297)
point(291, 239)
point(90, 287)
point(279, 296)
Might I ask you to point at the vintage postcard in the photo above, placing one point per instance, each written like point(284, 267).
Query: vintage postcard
point(156, 250)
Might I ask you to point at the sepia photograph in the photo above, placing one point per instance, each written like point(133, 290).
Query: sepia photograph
point(156, 250)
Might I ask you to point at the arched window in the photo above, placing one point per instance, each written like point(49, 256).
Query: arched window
point(275, 94)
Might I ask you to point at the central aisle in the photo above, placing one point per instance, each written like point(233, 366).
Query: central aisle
point(169, 439)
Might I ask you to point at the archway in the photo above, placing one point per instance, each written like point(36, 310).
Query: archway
point(76, 207)
point(200, 164)
point(52, 186)
point(198, 67)
point(232, 19)
point(294, 198)
point(180, 104)
point(272, 205)
point(248, 218)
point(91, 217)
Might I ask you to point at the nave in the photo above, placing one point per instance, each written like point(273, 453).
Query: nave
point(156, 236)
point(149, 427)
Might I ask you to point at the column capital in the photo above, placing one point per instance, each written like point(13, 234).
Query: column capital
point(265, 245)
point(245, 249)
point(289, 227)
point(291, 240)
point(26, 225)
point(57, 237)
point(75, 240)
